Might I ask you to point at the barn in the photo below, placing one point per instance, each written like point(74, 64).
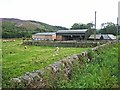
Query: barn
point(63, 35)
point(44, 36)
point(81, 34)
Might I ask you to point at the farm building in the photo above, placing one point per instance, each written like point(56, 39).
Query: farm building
point(44, 36)
point(63, 35)
point(103, 37)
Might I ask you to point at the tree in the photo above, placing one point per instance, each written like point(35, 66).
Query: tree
point(90, 25)
point(82, 26)
point(108, 28)
point(75, 26)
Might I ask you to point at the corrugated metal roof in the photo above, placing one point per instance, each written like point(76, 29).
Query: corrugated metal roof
point(105, 36)
point(112, 36)
point(97, 36)
point(109, 36)
point(46, 33)
point(72, 31)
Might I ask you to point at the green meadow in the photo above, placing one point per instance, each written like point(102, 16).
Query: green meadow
point(18, 59)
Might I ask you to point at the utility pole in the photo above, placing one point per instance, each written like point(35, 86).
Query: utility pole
point(119, 13)
point(117, 31)
point(118, 20)
point(95, 28)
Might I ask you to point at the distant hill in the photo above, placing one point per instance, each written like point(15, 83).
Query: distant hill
point(16, 28)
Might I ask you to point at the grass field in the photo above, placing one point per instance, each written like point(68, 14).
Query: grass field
point(17, 60)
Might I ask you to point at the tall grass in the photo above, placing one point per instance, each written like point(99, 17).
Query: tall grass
point(101, 72)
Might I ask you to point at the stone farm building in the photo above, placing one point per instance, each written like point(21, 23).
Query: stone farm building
point(63, 35)
point(44, 36)
point(81, 34)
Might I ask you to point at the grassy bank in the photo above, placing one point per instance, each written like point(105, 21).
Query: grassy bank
point(101, 72)
point(18, 59)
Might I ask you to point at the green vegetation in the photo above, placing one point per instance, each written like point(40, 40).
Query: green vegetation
point(106, 28)
point(118, 37)
point(0, 63)
point(109, 28)
point(18, 59)
point(101, 72)
point(82, 26)
point(16, 28)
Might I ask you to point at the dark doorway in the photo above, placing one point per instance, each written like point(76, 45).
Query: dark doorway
point(70, 37)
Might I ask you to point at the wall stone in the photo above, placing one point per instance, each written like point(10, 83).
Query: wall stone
point(39, 78)
point(64, 43)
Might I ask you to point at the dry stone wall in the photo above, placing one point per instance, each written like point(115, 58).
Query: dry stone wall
point(64, 43)
point(48, 76)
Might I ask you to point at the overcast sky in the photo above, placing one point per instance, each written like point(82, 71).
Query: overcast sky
point(61, 12)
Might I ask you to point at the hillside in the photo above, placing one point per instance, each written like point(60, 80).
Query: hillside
point(16, 28)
